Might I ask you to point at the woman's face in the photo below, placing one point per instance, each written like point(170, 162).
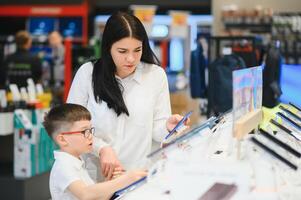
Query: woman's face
point(126, 54)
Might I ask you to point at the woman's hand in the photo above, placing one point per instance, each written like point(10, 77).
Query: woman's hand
point(173, 120)
point(108, 162)
point(136, 174)
point(118, 171)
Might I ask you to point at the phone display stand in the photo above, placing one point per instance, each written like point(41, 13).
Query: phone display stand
point(247, 123)
point(244, 126)
point(247, 102)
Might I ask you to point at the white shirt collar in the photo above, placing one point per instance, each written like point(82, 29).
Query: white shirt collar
point(138, 73)
point(136, 76)
point(68, 158)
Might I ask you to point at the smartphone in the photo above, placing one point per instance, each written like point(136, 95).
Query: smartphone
point(179, 125)
point(219, 191)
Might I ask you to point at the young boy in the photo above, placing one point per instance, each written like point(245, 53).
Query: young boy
point(70, 127)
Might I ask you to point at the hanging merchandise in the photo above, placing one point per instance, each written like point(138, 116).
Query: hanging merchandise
point(222, 61)
point(286, 27)
point(246, 51)
point(221, 82)
point(197, 73)
point(271, 76)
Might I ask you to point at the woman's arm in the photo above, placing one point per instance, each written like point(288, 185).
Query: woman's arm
point(109, 162)
point(162, 109)
point(79, 90)
point(103, 190)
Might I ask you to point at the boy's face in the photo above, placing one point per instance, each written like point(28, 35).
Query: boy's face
point(77, 142)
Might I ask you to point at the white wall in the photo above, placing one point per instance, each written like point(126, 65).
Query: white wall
point(277, 5)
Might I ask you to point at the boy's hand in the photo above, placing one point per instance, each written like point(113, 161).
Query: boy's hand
point(108, 162)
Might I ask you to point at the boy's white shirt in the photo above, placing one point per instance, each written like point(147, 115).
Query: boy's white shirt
point(66, 169)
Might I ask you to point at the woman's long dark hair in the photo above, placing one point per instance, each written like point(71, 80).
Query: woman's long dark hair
point(105, 86)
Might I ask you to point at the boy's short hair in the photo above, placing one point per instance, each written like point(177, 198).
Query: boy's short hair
point(61, 118)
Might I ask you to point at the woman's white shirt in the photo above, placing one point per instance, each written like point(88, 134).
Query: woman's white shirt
point(146, 96)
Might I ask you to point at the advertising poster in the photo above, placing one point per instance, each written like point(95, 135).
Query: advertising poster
point(247, 91)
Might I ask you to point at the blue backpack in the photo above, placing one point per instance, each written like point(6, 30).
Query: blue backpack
point(220, 83)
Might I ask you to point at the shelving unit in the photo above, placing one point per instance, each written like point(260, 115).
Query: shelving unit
point(286, 29)
point(252, 21)
point(253, 28)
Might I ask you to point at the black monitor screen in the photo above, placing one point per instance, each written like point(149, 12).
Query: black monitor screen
point(41, 26)
point(71, 27)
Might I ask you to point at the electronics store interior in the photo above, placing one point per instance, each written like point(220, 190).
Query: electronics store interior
point(216, 114)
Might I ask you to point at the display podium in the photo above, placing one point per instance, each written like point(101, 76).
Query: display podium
point(194, 164)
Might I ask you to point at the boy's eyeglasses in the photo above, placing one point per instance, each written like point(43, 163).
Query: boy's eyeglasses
point(86, 132)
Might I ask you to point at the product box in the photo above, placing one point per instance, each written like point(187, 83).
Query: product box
point(24, 146)
point(33, 148)
point(6, 123)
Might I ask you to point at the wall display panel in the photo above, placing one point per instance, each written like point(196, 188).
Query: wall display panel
point(41, 25)
point(71, 27)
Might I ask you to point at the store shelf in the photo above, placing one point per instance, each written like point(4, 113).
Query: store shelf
point(255, 28)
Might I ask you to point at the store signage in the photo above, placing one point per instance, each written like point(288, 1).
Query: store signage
point(46, 10)
point(179, 26)
point(145, 13)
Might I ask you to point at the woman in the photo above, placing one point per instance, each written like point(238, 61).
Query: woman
point(127, 94)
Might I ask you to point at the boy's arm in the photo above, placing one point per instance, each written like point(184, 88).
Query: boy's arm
point(103, 190)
